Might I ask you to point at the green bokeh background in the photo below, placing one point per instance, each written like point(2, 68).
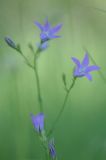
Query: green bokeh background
point(81, 132)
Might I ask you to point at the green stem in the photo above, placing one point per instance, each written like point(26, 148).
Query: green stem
point(62, 108)
point(47, 155)
point(46, 152)
point(27, 62)
point(38, 82)
point(24, 57)
point(44, 142)
point(99, 71)
point(36, 75)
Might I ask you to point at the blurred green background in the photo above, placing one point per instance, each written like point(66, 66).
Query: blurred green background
point(81, 132)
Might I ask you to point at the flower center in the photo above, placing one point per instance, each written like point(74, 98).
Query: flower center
point(82, 70)
point(44, 36)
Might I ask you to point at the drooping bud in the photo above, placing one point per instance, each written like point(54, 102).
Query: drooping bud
point(10, 42)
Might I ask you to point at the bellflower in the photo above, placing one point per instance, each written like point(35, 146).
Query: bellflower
point(83, 69)
point(52, 150)
point(47, 31)
point(38, 122)
point(42, 46)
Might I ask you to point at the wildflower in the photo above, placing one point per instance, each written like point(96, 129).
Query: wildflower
point(83, 69)
point(10, 42)
point(48, 32)
point(52, 150)
point(42, 46)
point(38, 122)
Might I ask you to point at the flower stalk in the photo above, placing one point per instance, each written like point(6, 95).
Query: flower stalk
point(37, 81)
point(94, 62)
point(63, 106)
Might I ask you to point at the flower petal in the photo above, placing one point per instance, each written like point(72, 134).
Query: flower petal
point(52, 150)
point(47, 25)
point(76, 61)
point(76, 72)
point(38, 122)
point(54, 36)
point(39, 25)
point(92, 68)
point(85, 61)
point(88, 76)
point(44, 45)
point(56, 29)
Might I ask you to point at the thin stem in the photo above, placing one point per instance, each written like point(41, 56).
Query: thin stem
point(36, 75)
point(99, 71)
point(62, 108)
point(46, 151)
point(38, 82)
point(27, 62)
point(47, 155)
point(94, 8)
point(44, 142)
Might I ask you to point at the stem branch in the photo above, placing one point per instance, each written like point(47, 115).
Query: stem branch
point(38, 83)
point(36, 75)
point(99, 71)
point(62, 108)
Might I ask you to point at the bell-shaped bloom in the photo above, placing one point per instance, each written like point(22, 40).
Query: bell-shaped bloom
point(38, 122)
point(47, 31)
point(83, 69)
point(52, 150)
point(42, 46)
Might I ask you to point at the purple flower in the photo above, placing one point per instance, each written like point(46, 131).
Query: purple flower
point(42, 46)
point(48, 32)
point(52, 150)
point(38, 122)
point(83, 69)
